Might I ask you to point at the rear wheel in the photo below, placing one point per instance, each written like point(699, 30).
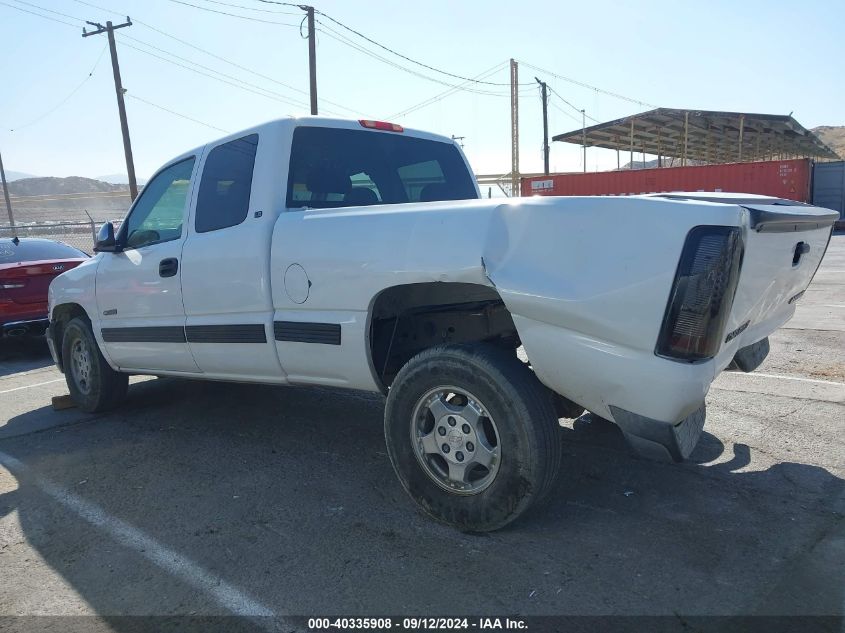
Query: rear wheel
point(472, 435)
point(93, 385)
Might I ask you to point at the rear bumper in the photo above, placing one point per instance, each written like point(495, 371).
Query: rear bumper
point(658, 403)
point(661, 440)
point(599, 374)
point(29, 326)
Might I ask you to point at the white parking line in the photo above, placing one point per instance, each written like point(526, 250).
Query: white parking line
point(225, 595)
point(798, 378)
point(38, 384)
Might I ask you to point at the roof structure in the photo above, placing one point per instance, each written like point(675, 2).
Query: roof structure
point(705, 136)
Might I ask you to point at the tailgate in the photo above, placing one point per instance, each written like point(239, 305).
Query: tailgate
point(784, 246)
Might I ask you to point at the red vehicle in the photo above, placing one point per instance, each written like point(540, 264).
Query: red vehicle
point(27, 266)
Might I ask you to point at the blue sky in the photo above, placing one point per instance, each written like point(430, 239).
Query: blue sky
point(768, 56)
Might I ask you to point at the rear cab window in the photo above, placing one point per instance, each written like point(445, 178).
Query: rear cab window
point(333, 167)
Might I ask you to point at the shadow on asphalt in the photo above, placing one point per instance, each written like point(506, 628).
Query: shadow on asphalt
point(23, 353)
point(288, 495)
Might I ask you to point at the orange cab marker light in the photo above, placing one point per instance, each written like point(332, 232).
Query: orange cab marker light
point(381, 125)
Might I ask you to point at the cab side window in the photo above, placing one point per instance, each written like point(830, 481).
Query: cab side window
point(223, 198)
point(157, 216)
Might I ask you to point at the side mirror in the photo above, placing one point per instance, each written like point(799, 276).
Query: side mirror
point(105, 242)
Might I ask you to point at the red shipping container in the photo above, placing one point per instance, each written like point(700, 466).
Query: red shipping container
point(788, 179)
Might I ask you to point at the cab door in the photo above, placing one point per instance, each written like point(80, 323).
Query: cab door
point(139, 291)
point(226, 272)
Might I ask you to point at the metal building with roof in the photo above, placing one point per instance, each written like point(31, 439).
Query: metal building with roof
point(704, 136)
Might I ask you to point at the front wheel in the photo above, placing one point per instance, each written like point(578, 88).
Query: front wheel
point(472, 435)
point(93, 385)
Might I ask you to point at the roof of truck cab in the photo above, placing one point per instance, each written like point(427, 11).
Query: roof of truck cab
point(310, 121)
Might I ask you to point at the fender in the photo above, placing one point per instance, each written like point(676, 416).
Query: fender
point(78, 286)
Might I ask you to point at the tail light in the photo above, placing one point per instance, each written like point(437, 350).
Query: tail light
point(702, 294)
point(381, 125)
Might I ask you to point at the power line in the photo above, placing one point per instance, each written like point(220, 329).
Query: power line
point(281, 97)
point(252, 88)
point(94, 6)
point(234, 15)
point(564, 112)
point(244, 68)
point(284, 4)
point(589, 86)
point(328, 31)
point(64, 15)
point(394, 52)
point(46, 17)
point(183, 116)
point(333, 34)
point(346, 41)
point(66, 99)
point(442, 95)
point(576, 108)
point(240, 6)
point(223, 59)
point(406, 58)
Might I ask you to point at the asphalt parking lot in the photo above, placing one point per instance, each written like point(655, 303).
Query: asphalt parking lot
point(218, 499)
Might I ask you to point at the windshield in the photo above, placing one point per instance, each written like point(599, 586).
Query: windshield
point(333, 167)
point(36, 250)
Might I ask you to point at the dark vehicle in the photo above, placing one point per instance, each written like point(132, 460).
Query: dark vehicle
point(27, 266)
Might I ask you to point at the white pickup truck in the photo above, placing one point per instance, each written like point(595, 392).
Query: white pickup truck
point(357, 254)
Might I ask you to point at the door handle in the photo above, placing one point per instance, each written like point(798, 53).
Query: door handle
point(168, 267)
point(801, 248)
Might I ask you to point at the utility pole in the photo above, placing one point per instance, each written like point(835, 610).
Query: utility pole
point(459, 139)
point(6, 195)
point(545, 95)
point(109, 29)
point(584, 136)
point(312, 56)
point(514, 128)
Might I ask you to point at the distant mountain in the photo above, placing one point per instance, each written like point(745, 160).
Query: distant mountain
point(638, 164)
point(50, 186)
point(833, 136)
point(17, 175)
point(120, 179)
point(651, 164)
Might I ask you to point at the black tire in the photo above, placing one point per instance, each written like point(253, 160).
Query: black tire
point(525, 423)
point(98, 387)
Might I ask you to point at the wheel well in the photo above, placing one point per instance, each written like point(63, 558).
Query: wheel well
point(62, 315)
point(410, 318)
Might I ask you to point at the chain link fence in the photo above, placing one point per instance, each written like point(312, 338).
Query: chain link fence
point(80, 235)
point(64, 216)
